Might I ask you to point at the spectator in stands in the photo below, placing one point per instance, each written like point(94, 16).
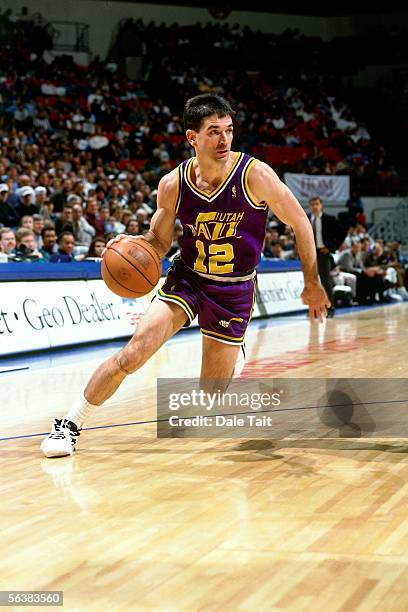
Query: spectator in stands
point(49, 242)
point(350, 262)
point(266, 249)
point(94, 218)
point(365, 245)
point(328, 235)
point(38, 226)
point(127, 215)
point(118, 225)
point(108, 219)
point(82, 230)
point(132, 227)
point(8, 215)
point(96, 248)
point(64, 221)
point(59, 198)
point(369, 280)
point(41, 196)
point(26, 204)
point(7, 241)
point(25, 246)
point(66, 243)
point(277, 252)
point(46, 207)
point(348, 279)
point(27, 221)
point(143, 219)
point(362, 232)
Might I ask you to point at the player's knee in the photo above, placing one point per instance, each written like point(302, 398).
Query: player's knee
point(134, 354)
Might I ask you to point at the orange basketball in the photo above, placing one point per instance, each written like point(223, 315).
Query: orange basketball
point(131, 267)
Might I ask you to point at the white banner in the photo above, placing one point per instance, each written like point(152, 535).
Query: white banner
point(328, 188)
point(42, 315)
point(278, 292)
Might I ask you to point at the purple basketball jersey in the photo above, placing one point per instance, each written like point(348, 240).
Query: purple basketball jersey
point(223, 232)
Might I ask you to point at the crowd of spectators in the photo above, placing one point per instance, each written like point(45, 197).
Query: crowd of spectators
point(292, 108)
point(364, 271)
point(82, 149)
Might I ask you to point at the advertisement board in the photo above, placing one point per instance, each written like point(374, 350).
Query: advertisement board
point(41, 315)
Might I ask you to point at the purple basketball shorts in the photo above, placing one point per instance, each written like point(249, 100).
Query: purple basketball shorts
point(224, 309)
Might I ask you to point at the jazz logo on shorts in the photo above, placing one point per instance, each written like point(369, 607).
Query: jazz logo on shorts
point(226, 323)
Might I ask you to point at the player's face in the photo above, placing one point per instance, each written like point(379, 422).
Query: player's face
point(214, 138)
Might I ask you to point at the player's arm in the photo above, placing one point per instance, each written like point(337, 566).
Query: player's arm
point(160, 233)
point(265, 186)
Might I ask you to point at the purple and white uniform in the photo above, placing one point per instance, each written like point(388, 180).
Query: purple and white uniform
point(223, 234)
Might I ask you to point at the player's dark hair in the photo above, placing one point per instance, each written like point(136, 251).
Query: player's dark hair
point(198, 108)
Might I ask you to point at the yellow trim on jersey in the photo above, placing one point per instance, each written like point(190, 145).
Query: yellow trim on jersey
point(177, 298)
point(247, 190)
point(217, 335)
point(220, 186)
point(178, 198)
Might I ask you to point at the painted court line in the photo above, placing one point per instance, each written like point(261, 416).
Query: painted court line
point(214, 415)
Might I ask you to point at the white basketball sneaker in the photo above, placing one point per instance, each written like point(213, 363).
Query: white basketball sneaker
point(61, 441)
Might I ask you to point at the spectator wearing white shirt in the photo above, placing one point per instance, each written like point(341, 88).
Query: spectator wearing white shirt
point(82, 230)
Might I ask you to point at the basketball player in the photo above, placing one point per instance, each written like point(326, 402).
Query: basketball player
point(222, 198)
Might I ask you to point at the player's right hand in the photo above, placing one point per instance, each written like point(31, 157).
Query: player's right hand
point(117, 238)
point(112, 241)
point(316, 298)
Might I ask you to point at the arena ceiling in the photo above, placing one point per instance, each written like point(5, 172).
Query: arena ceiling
point(335, 8)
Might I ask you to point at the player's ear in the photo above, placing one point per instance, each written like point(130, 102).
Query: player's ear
point(191, 137)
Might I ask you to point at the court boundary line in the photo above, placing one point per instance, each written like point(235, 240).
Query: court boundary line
point(214, 415)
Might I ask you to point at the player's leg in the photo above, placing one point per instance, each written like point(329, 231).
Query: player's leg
point(218, 364)
point(160, 323)
point(224, 315)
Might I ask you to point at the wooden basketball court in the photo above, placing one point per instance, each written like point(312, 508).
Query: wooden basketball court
point(138, 523)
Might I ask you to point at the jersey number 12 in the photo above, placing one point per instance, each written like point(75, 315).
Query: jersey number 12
point(219, 256)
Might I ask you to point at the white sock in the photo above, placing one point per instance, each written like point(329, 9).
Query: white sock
point(80, 411)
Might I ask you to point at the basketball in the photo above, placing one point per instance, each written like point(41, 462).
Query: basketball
point(131, 267)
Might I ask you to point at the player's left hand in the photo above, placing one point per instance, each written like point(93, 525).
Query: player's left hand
point(315, 297)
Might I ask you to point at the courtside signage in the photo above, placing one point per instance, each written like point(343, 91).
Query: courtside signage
point(42, 315)
point(278, 292)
